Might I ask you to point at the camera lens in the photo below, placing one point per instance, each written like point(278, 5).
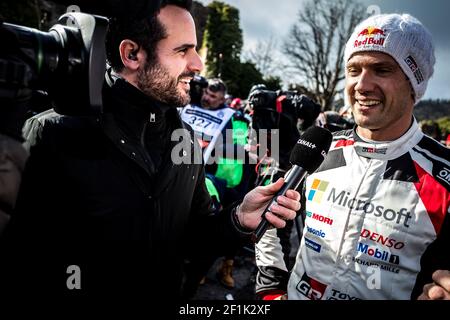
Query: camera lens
point(71, 55)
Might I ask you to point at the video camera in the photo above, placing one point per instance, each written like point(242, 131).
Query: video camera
point(281, 110)
point(197, 84)
point(68, 62)
point(274, 105)
point(336, 122)
point(62, 69)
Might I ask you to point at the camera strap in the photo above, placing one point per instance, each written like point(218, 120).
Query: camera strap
point(279, 104)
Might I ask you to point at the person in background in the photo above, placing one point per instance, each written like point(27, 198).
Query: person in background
point(220, 128)
point(236, 104)
point(228, 99)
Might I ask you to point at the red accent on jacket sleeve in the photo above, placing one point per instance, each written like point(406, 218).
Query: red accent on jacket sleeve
point(271, 294)
point(434, 196)
point(344, 143)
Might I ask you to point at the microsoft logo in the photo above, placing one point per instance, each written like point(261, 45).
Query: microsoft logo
point(317, 190)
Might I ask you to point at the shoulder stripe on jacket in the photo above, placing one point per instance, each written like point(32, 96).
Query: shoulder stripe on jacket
point(434, 150)
point(401, 169)
point(434, 196)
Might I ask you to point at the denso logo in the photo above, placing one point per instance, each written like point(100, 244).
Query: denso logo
point(385, 241)
point(401, 216)
point(311, 288)
point(319, 217)
point(378, 254)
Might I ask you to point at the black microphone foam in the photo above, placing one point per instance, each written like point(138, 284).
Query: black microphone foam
point(311, 149)
point(306, 156)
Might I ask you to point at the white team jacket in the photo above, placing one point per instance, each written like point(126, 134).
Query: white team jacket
point(372, 212)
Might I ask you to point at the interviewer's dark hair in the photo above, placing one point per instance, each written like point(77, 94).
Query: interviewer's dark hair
point(146, 32)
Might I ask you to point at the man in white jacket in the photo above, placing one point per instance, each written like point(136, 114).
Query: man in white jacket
point(377, 218)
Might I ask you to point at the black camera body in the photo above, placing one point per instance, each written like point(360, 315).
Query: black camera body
point(279, 104)
point(281, 110)
point(68, 62)
point(197, 84)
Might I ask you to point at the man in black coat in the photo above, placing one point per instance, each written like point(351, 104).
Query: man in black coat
point(105, 205)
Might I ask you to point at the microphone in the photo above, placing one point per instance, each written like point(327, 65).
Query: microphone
point(306, 156)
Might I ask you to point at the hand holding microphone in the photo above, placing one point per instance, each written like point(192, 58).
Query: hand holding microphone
point(306, 156)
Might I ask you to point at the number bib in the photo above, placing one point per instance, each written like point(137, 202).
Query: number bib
point(207, 124)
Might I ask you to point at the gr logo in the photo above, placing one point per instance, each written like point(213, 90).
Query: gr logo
point(311, 288)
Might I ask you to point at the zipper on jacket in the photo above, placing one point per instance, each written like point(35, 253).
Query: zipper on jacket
point(147, 159)
point(338, 255)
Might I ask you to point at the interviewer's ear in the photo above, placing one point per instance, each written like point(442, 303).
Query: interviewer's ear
point(130, 54)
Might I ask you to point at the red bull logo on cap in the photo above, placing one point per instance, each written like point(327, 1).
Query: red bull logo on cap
point(371, 31)
point(370, 36)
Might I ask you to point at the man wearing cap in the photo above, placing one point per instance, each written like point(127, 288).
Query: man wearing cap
point(377, 210)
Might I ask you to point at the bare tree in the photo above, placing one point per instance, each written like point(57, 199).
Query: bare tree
point(264, 56)
point(316, 44)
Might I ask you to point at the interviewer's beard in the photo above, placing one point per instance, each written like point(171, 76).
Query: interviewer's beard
point(156, 82)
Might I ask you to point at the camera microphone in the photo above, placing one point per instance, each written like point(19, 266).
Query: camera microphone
point(306, 156)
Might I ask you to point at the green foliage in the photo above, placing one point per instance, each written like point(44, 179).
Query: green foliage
point(433, 115)
point(223, 40)
point(444, 124)
point(432, 109)
point(248, 76)
point(273, 83)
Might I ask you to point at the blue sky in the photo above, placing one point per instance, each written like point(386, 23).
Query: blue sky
point(262, 18)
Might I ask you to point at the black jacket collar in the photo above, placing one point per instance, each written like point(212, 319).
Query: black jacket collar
point(132, 109)
point(126, 121)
